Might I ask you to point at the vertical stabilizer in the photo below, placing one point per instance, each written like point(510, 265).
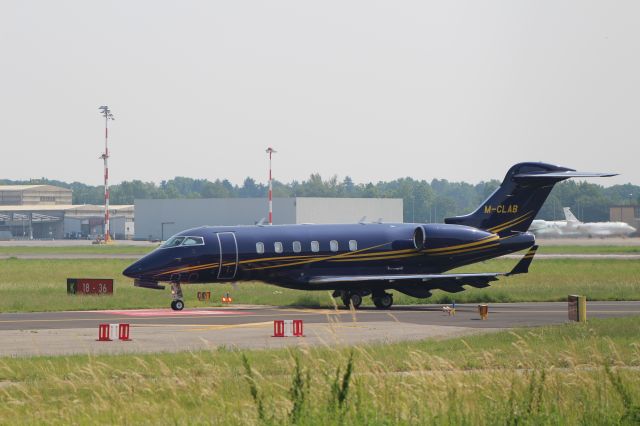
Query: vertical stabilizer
point(568, 215)
point(514, 205)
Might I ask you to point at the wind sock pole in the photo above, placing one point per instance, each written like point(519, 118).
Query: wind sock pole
point(270, 151)
point(106, 113)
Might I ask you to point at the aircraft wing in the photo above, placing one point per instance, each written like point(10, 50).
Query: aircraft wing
point(522, 267)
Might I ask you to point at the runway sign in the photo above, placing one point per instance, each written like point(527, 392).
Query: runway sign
point(89, 286)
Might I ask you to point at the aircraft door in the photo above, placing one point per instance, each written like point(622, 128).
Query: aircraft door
point(228, 255)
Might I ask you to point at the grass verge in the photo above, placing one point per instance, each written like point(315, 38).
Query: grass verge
point(115, 249)
point(568, 374)
point(111, 249)
point(40, 285)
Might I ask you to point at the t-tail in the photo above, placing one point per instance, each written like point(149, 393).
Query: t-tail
point(514, 205)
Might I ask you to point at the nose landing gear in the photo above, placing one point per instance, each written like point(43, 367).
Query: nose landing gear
point(176, 293)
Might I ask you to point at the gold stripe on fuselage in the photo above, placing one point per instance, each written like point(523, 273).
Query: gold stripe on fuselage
point(467, 250)
point(188, 268)
point(390, 257)
point(524, 219)
point(482, 241)
point(509, 223)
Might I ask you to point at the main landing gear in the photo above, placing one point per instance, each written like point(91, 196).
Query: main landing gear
point(176, 293)
point(349, 299)
point(381, 300)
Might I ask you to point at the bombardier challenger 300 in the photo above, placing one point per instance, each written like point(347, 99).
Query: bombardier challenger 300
point(357, 260)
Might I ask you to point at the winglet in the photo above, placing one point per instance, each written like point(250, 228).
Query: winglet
point(523, 266)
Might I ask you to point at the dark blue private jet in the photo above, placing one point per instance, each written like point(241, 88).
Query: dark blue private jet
point(357, 260)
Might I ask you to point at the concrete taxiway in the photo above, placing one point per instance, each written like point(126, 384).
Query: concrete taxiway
point(153, 330)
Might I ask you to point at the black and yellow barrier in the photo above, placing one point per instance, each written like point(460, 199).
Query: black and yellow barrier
point(577, 308)
point(483, 310)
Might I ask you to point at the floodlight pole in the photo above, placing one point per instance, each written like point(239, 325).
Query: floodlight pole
point(106, 113)
point(270, 151)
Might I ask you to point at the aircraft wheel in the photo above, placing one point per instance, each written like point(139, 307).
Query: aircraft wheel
point(383, 302)
point(177, 305)
point(356, 300)
point(346, 300)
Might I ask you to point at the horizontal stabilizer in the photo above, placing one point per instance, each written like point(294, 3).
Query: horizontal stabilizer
point(562, 174)
point(522, 267)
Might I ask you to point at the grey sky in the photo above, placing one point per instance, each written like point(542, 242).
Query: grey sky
point(374, 90)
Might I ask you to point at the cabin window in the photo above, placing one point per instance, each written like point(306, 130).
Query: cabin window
point(260, 247)
point(297, 247)
point(277, 246)
point(333, 245)
point(193, 241)
point(353, 245)
point(315, 246)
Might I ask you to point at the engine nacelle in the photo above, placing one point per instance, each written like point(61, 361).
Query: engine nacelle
point(441, 237)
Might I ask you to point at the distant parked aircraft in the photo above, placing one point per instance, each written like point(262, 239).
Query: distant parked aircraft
point(572, 227)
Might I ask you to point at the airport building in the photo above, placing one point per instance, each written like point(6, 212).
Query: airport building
point(34, 195)
point(46, 212)
point(158, 219)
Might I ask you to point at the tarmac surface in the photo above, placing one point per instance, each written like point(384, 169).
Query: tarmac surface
point(155, 330)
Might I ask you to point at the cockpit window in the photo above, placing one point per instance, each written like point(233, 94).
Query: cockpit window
point(193, 241)
point(173, 242)
point(183, 241)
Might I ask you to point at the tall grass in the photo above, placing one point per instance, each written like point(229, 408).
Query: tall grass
point(551, 376)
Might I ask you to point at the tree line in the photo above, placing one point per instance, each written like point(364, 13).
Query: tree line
point(423, 201)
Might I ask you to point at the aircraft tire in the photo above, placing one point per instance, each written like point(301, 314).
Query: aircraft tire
point(383, 302)
point(346, 298)
point(177, 305)
point(356, 300)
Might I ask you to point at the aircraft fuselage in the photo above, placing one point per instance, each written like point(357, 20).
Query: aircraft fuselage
point(289, 255)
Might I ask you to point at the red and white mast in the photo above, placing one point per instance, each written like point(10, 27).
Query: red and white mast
point(270, 151)
point(106, 113)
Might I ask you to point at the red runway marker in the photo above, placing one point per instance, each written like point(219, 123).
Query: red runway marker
point(170, 313)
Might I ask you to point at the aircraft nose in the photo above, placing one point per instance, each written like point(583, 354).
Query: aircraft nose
point(133, 271)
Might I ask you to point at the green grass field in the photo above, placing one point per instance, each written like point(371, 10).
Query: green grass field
point(40, 285)
point(114, 249)
point(579, 249)
point(587, 374)
point(111, 249)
